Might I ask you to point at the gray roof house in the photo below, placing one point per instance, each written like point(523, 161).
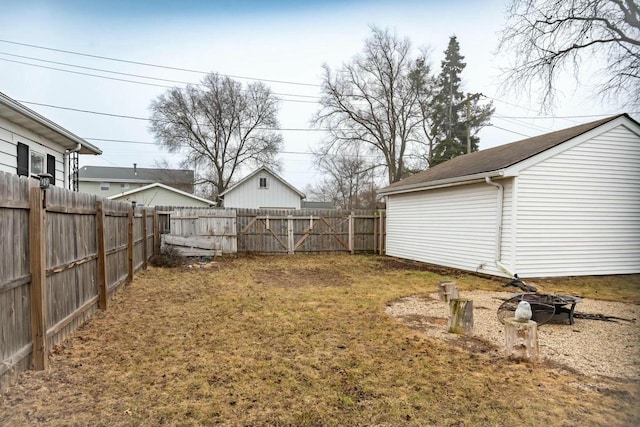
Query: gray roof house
point(565, 203)
point(108, 181)
point(31, 144)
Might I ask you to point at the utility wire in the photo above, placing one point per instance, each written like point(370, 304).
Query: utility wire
point(512, 131)
point(124, 116)
point(122, 74)
point(146, 64)
point(125, 80)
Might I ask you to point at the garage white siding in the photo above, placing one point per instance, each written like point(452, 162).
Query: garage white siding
point(249, 194)
point(453, 226)
point(578, 212)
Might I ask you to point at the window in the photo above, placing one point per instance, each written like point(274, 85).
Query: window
point(263, 183)
point(32, 163)
point(104, 186)
point(124, 186)
point(37, 163)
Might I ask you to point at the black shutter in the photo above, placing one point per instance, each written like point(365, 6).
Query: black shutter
point(23, 159)
point(51, 168)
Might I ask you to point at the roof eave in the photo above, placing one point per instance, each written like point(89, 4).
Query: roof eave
point(448, 182)
point(87, 148)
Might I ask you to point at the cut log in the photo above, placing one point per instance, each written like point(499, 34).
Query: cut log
point(447, 291)
point(460, 316)
point(521, 339)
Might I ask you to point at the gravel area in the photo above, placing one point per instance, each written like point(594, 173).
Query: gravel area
point(590, 347)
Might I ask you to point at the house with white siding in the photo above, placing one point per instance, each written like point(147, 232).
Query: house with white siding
point(158, 194)
point(262, 189)
point(566, 203)
point(106, 181)
point(31, 144)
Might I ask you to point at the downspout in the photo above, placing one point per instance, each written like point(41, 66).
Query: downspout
point(498, 244)
point(65, 161)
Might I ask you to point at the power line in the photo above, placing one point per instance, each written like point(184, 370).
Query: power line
point(146, 64)
point(120, 73)
point(124, 116)
point(561, 117)
point(125, 80)
point(512, 131)
point(127, 141)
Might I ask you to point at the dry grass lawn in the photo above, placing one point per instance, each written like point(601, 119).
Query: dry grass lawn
point(300, 340)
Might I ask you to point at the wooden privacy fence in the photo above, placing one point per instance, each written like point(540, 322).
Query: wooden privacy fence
point(206, 231)
point(62, 256)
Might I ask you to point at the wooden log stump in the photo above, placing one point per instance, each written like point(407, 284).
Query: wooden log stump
point(521, 339)
point(447, 291)
point(460, 316)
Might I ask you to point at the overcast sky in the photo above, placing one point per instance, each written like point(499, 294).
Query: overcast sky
point(284, 41)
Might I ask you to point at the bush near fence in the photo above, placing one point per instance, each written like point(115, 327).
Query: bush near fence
point(63, 254)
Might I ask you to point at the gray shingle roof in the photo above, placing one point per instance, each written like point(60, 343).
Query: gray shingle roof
point(107, 173)
point(494, 159)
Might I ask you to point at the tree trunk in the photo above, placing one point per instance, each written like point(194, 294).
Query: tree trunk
point(460, 316)
point(521, 339)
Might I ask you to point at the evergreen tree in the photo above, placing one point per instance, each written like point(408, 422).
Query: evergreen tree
point(454, 114)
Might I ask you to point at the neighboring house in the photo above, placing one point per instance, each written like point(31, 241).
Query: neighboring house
point(263, 189)
point(566, 203)
point(31, 144)
point(157, 194)
point(107, 181)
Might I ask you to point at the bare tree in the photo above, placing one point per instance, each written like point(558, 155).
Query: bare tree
point(548, 36)
point(348, 181)
point(219, 126)
point(373, 101)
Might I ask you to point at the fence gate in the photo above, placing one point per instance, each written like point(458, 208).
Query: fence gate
point(286, 231)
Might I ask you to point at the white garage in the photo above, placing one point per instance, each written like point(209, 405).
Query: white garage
point(566, 203)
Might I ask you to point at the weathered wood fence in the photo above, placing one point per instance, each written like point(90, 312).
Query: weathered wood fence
point(205, 231)
point(62, 256)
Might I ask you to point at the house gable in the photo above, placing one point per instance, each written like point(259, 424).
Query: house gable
point(263, 188)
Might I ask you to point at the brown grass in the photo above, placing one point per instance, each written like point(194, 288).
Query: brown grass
point(295, 340)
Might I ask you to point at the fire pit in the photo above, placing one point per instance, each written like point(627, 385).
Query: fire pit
point(545, 308)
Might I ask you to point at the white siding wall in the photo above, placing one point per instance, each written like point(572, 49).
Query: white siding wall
point(454, 227)
point(161, 197)
point(11, 134)
point(250, 195)
point(578, 213)
point(93, 187)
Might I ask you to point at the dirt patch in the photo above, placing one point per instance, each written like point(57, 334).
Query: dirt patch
point(301, 278)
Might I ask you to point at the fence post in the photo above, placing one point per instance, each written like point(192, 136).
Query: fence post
point(381, 233)
point(156, 232)
point(375, 233)
point(351, 234)
point(37, 264)
point(290, 241)
point(130, 244)
point(144, 238)
point(102, 256)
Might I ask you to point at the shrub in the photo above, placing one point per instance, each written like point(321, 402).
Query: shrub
point(169, 256)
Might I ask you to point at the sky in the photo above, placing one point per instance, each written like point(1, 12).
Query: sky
point(284, 43)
